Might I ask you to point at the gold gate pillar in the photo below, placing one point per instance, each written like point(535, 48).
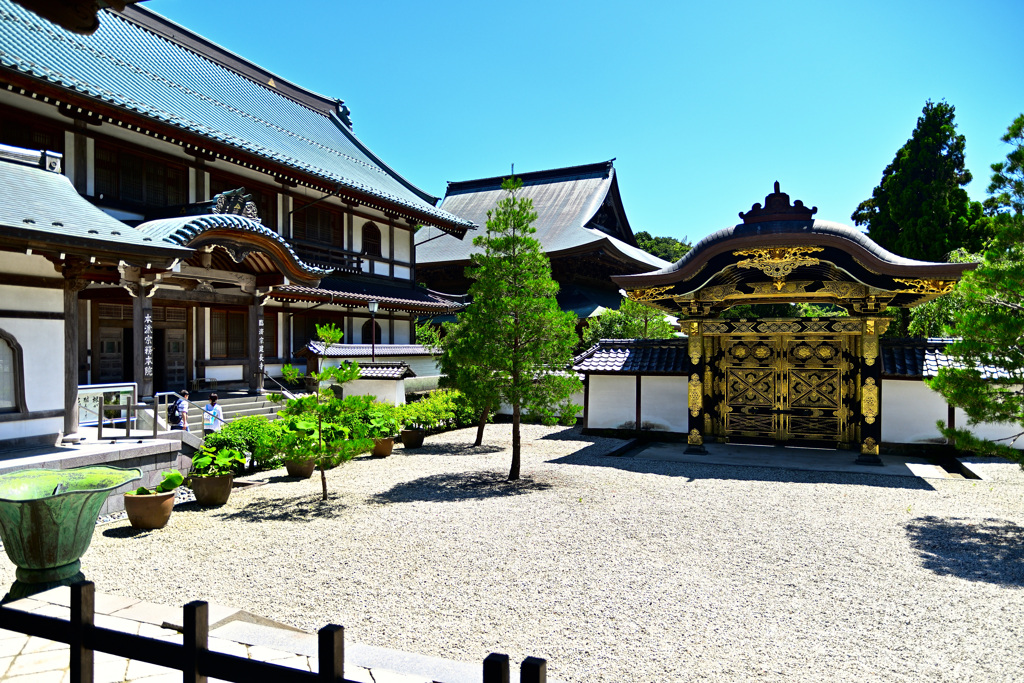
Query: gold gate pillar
point(869, 391)
point(698, 387)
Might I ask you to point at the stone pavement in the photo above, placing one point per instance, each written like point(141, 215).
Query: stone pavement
point(809, 459)
point(28, 659)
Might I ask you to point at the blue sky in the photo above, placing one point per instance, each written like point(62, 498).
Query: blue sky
point(703, 105)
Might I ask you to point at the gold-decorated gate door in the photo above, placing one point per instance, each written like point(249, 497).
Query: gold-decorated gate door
point(783, 388)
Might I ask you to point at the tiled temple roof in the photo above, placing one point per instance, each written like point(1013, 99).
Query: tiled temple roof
point(142, 63)
point(635, 356)
point(317, 348)
point(917, 358)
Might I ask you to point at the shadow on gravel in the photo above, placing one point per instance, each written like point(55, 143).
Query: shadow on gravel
point(990, 550)
point(127, 532)
point(459, 486)
point(299, 508)
point(693, 471)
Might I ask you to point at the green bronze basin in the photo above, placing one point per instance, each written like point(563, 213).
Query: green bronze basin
point(47, 517)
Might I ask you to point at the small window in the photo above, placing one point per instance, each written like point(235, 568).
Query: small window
point(371, 240)
point(371, 332)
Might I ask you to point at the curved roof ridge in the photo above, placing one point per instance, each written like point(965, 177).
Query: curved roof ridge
point(182, 230)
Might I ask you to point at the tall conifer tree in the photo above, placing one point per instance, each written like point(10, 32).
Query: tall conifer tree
point(514, 334)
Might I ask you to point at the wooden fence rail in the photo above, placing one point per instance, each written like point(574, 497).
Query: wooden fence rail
point(193, 657)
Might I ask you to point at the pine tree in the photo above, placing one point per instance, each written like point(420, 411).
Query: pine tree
point(632, 321)
point(990, 323)
point(513, 338)
point(920, 209)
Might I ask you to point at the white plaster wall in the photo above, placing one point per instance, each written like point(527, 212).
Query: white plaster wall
point(224, 373)
point(403, 332)
point(380, 268)
point(909, 412)
point(663, 403)
point(27, 429)
point(989, 430)
point(33, 299)
point(274, 370)
point(402, 248)
point(385, 390)
point(403, 273)
point(42, 346)
point(612, 401)
point(25, 264)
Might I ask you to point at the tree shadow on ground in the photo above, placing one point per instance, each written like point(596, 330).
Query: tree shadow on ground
point(295, 509)
point(590, 457)
point(436, 449)
point(990, 550)
point(459, 486)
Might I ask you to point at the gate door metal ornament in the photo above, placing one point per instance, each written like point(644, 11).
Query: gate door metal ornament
point(783, 388)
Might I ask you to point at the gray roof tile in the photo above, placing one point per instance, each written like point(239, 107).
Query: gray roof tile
point(635, 356)
point(129, 67)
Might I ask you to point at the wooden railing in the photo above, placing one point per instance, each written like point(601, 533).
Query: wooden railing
point(328, 256)
point(193, 656)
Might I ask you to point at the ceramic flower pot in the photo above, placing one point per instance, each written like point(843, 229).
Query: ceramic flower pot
point(301, 469)
point(149, 511)
point(413, 438)
point(382, 447)
point(47, 518)
point(211, 491)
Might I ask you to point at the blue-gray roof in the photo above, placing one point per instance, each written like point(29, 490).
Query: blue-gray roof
point(44, 205)
point(635, 356)
point(566, 200)
point(132, 68)
point(183, 230)
point(917, 358)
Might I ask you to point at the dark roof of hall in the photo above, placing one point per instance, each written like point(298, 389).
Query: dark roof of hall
point(565, 199)
point(141, 62)
point(635, 356)
point(39, 203)
point(917, 358)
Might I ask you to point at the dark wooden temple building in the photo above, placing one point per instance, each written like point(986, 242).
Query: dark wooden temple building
point(269, 214)
point(581, 225)
point(797, 381)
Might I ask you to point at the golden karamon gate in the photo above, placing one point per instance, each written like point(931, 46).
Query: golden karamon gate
point(794, 381)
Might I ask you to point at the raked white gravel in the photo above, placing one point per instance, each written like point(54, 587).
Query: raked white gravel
point(613, 569)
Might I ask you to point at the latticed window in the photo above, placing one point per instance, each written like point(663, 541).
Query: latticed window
point(317, 223)
point(228, 332)
point(137, 179)
point(371, 240)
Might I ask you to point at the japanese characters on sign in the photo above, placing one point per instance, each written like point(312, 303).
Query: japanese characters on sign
point(260, 343)
point(147, 348)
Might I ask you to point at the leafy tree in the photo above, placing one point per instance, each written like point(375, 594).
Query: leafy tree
point(666, 248)
point(990, 323)
point(513, 338)
point(632, 321)
point(938, 317)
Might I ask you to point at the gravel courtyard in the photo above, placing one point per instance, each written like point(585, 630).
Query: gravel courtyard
point(613, 569)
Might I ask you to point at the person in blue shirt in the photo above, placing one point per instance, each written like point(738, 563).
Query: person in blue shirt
point(180, 412)
point(213, 416)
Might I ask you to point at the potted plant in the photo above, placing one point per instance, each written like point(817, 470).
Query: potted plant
point(415, 419)
point(299, 446)
point(151, 508)
point(213, 472)
point(383, 423)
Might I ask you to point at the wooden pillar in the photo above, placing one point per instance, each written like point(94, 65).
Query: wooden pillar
point(256, 331)
point(72, 286)
point(200, 337)
point(142, 322)
point(696, 409)
point(869, 392)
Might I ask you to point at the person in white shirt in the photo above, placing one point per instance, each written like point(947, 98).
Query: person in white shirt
point(213, 416)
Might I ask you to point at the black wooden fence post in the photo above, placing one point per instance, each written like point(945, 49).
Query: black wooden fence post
point(331, 650)
point(83, 613)
point(196, 640)
point(496, 668)
point(533, 670)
